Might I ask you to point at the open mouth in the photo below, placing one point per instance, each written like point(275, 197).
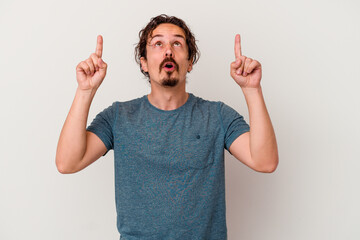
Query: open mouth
point(169, 66)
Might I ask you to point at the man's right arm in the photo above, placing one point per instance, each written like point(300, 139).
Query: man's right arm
point(78, 148)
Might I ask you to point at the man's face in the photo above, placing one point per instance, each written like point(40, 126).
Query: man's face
point(167, 56)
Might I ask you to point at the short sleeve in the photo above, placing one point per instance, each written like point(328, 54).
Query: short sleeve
point(233, 124)
point(103, 124)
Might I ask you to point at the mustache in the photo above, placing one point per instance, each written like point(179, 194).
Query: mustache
point(169, 59)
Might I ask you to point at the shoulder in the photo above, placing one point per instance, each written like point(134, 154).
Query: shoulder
point(206, 104)
point(225, 112)
point(121, 106)
point(215, 108)
point(128, 105)
point(133, 102)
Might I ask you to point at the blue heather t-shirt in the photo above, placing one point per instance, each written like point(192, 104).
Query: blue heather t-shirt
point(169, 167)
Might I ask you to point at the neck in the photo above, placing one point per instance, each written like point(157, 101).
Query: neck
point(168, 98)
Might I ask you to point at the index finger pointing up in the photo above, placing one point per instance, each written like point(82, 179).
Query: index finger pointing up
point(238, 53)
point(99, 46)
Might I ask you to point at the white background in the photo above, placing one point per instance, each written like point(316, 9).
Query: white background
point(309, 51)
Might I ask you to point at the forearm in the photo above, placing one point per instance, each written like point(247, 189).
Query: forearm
point(263, 146)
point(72, 141)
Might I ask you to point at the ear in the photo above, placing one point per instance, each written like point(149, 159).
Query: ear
point(144, 65)
point(190, 66)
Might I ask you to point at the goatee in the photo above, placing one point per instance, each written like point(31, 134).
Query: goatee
point(169, 82)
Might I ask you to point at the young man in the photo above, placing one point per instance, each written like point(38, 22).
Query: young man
point(168, 145)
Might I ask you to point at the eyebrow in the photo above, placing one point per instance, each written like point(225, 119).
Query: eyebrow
point(160, 35)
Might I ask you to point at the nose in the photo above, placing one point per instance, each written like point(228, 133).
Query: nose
point(168, 51)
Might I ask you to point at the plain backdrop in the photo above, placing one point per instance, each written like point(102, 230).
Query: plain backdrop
point(309, 51)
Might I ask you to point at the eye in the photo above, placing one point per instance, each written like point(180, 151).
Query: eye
point(158, 44)
point(177, 44)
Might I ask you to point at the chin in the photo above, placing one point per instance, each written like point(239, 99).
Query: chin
point(170, 82)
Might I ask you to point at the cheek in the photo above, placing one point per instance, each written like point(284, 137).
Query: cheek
point(153, 66)
point(184, 67)
point(149, 61)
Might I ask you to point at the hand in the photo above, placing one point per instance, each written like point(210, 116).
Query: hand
point(245, 71)
point(91, 72)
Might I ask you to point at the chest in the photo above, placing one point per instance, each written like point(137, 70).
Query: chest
point(174, 142)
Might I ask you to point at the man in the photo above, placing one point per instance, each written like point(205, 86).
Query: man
point(168, 145)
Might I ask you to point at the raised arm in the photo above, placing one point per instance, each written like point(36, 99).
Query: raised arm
point(78, 148)
point(258, 148)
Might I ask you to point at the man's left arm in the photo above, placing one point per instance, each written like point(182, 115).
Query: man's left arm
point(257, 148)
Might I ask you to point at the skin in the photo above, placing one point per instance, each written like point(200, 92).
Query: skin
point(78, 148)
point(257, 148)
point(167, 40)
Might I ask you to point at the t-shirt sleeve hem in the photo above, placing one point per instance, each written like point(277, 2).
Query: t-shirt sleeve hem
point(234, 136)
point(101, 136)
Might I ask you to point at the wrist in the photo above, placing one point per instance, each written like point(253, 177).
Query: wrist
point(86, 92)
point(251, 91)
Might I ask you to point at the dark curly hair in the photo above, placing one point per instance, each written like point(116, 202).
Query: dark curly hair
point(145, 33)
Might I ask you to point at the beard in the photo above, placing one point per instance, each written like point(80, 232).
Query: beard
point(169, 81)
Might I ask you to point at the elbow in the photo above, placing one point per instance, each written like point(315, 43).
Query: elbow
point(63, 168)
point(270, 167)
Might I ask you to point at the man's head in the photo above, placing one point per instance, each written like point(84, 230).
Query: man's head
point(166, 50)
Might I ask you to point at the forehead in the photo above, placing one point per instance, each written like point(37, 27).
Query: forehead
point(167, 29)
